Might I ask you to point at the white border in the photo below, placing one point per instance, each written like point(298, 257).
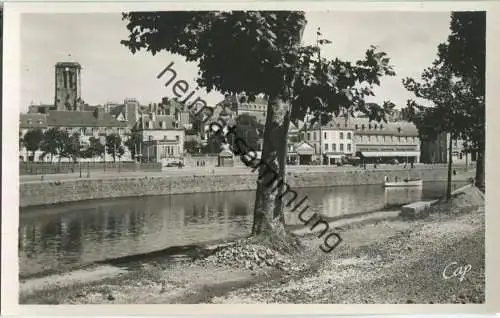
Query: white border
point(10, 175)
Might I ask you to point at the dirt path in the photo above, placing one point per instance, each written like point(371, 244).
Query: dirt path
point(405, 268)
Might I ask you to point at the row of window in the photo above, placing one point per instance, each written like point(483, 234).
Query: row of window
point(162, 124)
point(379, 138)
point(348, 135)
point(252, 107)
point(334, 147)
point(165, 138)
point(87, 131)
point(370, 126)
point(169, 151)
point(39, 122)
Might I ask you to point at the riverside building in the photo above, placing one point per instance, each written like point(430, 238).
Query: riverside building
point(332, 141)
point(162, 137)
point(373, 142)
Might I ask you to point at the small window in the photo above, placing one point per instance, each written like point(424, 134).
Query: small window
point(334, 147)
point(356, 126)
point(165, 137)
point(177, 137)
point(150, 138)
point(308, 136)
point(348, 147)
point(341, 135)
point(326, 135)
point(348, 135)
point(341, 147)
point(381, 126)
point(326, 147)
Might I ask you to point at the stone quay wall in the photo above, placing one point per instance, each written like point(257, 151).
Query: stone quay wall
point(52, 192)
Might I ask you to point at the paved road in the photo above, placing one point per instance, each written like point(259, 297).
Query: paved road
point(205, 171)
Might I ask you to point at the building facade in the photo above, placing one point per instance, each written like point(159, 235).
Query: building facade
point(371, 141)
point(162, 138)
point(436, 151)
point(86, 123)
point(242, 104)
point(392, 142)
point(333, 141)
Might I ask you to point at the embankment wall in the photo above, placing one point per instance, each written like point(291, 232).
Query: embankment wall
point(51, 192)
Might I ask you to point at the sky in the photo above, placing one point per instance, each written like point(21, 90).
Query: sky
point(111, 73)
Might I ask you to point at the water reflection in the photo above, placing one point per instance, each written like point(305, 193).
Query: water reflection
point(85, 232)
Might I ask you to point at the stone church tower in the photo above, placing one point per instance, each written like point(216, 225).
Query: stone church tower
point(68, 86)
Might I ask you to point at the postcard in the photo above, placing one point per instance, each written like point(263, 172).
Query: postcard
point(312, 158)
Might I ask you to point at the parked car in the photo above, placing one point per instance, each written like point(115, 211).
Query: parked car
point(350, 160)
point(173, 163)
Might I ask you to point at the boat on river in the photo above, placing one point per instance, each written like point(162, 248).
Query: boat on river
point(402, 183)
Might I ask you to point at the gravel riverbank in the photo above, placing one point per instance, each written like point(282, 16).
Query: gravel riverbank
point(379, 261)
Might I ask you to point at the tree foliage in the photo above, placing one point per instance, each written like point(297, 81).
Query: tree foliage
point(55, 142)
point(133, 142)
point(450, 96)
point(74, 147)
point(266, 42)
point(114, 146)
point(192, 146)
point(455, 83)
point(465, 55)
point(95, 148)
point(248, 129)
point(32, 140)
point(261, 52)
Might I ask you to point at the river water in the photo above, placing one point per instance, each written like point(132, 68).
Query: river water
point(74, 234)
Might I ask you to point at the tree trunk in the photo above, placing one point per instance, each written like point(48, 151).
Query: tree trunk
point(450, 162)
point(480, 168)
point(268, 212)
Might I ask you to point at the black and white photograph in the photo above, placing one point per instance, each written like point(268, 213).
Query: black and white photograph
point(251, 156)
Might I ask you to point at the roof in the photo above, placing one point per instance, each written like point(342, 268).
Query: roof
point(82, 119)
point(365, 126)
point(116, 110)
point(162, 122)
point(303, 147)
point(89, 108)
point(33, 121)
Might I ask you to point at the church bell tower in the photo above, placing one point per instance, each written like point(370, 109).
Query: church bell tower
point(68, 86)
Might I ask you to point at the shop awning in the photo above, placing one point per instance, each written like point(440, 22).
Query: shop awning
point(390, 153)
point(305, 152)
